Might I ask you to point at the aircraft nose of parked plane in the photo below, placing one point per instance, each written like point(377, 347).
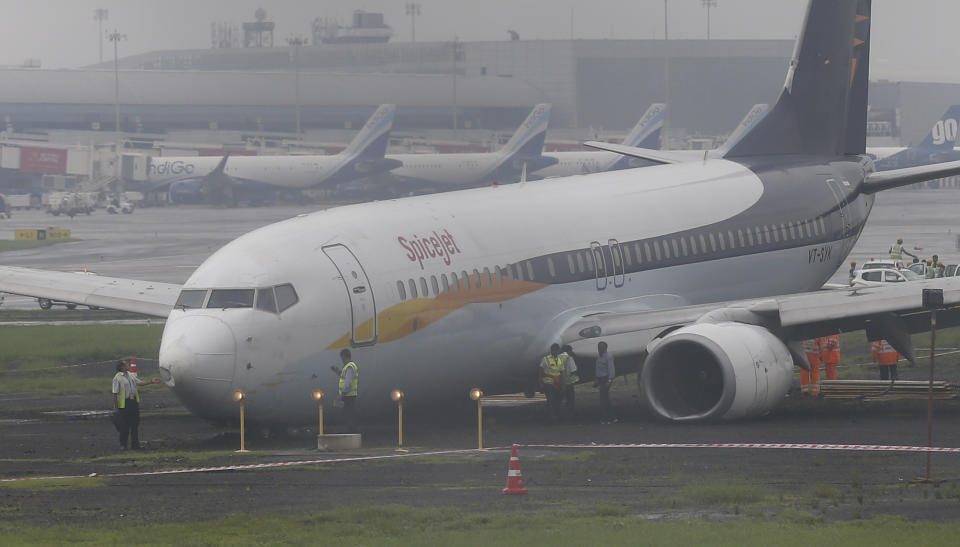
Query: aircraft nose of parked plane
point(197, 359)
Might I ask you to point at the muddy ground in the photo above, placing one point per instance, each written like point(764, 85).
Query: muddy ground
point(654, 483)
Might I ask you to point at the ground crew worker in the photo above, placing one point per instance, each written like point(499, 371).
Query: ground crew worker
point(569, 378)
point(347, 390)
point(928, 271)
point(810, 380)
point(852, 273)
point(941, 269)
point(126, 404)
point(606, 372)
point(551, 377)
point(886, 358)
point(897, 251)
point(830, 354)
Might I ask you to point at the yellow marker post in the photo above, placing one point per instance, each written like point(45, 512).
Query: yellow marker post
point(318, 397)
point(239, 397)
point(476, 394)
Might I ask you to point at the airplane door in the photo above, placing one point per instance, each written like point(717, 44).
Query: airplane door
point(600, 263)
point(840, 194)
point(616, 256)
point(363, 310)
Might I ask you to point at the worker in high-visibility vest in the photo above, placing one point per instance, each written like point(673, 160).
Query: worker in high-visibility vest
point(852, 273)
point(348, 389)
point(810, 380)
point(830, 354)
point(552, 369)
point(929, 271)
point(886, 358)
point(897, 251)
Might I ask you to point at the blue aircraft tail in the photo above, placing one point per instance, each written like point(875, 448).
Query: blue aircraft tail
point(943, 134)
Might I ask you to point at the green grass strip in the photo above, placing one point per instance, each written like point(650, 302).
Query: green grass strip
point(403, 525)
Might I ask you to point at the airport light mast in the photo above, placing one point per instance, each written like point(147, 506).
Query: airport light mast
point(413, 10)
point(296, 42)
point(115, 37)
point(708, 4)
point(100, 15)
point(457, 55)
point(665, 138)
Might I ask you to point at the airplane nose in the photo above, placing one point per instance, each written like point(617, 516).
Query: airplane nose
point(197, 361)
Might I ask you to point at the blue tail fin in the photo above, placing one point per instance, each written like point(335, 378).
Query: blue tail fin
point(822, 108)
point(943, 134)
point(372, 140)
point(527, 141)
point(646, 134)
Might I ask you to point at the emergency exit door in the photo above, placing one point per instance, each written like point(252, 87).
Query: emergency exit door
point(363, 310)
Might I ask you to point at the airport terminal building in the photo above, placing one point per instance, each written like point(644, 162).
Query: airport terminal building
point(603, 85)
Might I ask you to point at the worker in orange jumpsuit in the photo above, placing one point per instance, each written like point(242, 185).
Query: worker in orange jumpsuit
point(830, 354)
point(886, 358)
point(810, 380)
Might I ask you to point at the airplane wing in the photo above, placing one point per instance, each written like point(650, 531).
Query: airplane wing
point(890, 312)
point(148, 298)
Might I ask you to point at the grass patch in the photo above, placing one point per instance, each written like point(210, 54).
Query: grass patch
point(33, 358)
point(142, 457)
point(722, 493)
point(21, 244)
point(401, 525)
point(55, 484)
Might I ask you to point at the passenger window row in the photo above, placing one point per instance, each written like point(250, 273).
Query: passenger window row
point(617, 258)
point(424, 287)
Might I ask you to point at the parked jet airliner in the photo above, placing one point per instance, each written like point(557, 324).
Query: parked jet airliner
point(196, 178)
point(452, 171)
point(685, 268)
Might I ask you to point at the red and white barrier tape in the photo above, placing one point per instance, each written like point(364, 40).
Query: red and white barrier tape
point(268, 465)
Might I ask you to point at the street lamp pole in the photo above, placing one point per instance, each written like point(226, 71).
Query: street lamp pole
point(413, 10)
point(115, 37)
point(100, 15)
point(296, 42)
point(708, 4)
point(457, 54)
point(665, 139)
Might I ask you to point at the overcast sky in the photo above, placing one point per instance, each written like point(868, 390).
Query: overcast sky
point(912, 40)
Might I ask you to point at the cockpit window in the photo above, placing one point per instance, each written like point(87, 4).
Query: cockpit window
point(266, 301)
point(191, 298)
point(286, 296)
point(231, 298)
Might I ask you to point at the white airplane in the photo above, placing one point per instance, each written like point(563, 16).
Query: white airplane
point(646, 134)
point(524, 150)
point(692, 272)
point(199, 178)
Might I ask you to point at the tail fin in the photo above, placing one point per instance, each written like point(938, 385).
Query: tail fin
point(527, 141)
point(748, 122)
point(822, 109)
point(943, 134)
point(646, 134)
point(371, 141)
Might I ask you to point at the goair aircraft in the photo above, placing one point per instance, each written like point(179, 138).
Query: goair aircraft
point(524, 150)
point(222, 179)
point(938, 146)
point(692, 272)
point(646, 134)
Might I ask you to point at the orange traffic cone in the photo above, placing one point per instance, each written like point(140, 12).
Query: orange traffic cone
point(514, 478)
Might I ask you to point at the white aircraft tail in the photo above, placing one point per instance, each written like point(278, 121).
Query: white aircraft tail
point(371, 141)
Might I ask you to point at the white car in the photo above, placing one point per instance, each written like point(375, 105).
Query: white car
point(881, 264)
point(871, 277)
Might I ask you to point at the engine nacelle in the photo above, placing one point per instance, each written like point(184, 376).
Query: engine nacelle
point(717, 371)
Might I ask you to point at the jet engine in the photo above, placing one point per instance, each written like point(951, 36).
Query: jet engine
point(716, 371)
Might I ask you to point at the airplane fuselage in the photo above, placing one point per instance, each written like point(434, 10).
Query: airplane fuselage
point(441, 293)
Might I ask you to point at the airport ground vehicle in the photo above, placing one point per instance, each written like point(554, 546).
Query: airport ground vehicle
point(70, 203)
point(879, 276)
point(120, 206)
point(881, 264)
